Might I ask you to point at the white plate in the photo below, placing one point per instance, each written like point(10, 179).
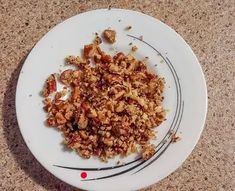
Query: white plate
point(185, 98)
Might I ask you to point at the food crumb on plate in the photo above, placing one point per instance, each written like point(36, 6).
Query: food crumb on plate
point(134, 48)
point(174, 138)
point(118, 162)
point(128, 27)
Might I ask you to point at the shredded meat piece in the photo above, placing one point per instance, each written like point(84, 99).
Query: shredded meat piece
point(112, 108)
point(50, 86)
point(148, 151)
point(110, 35)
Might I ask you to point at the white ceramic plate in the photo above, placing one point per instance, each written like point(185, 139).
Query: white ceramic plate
point(169, 56)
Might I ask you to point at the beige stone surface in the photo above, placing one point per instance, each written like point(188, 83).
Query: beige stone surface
point(208, 27)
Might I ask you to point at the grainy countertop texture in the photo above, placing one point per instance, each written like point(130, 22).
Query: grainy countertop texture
point(207, 26)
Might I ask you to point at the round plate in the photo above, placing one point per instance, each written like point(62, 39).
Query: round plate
point(169, 56)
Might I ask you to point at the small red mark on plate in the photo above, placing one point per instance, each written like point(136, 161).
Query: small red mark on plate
point(83, 175)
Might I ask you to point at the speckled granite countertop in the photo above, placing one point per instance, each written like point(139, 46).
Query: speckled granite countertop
point(207, 26)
